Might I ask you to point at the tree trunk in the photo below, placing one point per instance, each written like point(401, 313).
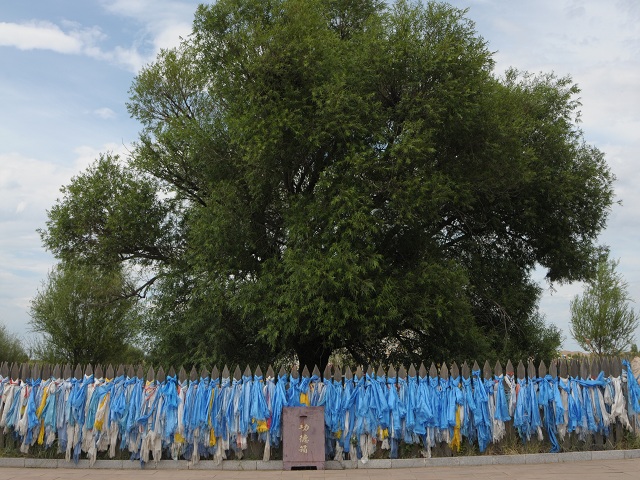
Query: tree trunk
point(313, 353)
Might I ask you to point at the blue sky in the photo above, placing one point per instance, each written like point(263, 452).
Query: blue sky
point(66, 68)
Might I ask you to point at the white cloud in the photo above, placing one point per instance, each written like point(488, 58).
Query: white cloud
point(105, 113)
point(75, 40)
point(38, 35)
point(169, 36)
point(44, 35)
point(25, 181)
point(129, 57)
point(21, 206)
point(162, 23)
point(86, 155)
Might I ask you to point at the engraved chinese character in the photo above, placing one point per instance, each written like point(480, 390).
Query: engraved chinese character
point(303, 449)
point(304, 438)
point(304, 427)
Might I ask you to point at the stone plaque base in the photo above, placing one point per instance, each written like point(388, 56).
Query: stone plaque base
point(303, 438)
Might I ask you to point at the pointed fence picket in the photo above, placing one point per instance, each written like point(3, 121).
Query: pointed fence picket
point(585, 368)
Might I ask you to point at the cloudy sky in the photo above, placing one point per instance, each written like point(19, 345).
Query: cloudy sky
point(66, 68)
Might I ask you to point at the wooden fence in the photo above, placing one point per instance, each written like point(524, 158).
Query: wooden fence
point(584, 368)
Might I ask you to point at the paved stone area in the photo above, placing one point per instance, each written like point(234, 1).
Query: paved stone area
point(607, 469)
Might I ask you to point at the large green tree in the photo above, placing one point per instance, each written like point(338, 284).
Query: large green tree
point(602, 319)
point(319, 175)
point(85, 314)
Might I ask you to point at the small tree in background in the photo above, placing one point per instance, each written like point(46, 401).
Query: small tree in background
point(602, 321)
point(11, 350)
point(84, 316)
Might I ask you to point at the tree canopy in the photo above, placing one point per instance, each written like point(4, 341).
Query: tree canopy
point(320, 176)
point(602, 320)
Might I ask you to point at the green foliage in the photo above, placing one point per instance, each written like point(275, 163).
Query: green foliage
point(11, 348)
point(110, 213)
point(602, 321)
point(315, 176)
point(83, 318)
